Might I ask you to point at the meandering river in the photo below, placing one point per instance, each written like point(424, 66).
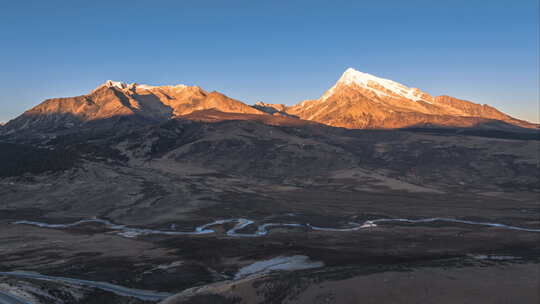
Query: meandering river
point(263, 229)
point(236, 231)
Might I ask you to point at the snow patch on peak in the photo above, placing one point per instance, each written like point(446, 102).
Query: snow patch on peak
point(178, 86)
point(373, 83)
point(133, 86)
point(116, 84)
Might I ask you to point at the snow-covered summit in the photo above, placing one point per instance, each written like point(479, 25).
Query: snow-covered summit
point(380, 86)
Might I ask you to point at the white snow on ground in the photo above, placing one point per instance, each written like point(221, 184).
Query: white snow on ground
point(294, 262)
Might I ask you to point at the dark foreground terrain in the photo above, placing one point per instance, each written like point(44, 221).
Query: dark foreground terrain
point(328, 182)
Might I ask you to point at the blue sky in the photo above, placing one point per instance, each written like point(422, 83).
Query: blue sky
point(273, 51)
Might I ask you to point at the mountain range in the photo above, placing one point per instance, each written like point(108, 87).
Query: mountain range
point(357, 101)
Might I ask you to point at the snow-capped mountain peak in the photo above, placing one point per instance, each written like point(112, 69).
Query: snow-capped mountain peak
point(381, 86)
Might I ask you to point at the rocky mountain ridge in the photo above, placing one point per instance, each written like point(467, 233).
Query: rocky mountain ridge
point(114, 100)
point(357, 101)
point(363, 101)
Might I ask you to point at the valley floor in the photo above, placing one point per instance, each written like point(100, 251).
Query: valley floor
point(392, 262)
point(329, 251)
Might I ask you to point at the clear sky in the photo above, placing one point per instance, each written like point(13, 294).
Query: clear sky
point(273, 51)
